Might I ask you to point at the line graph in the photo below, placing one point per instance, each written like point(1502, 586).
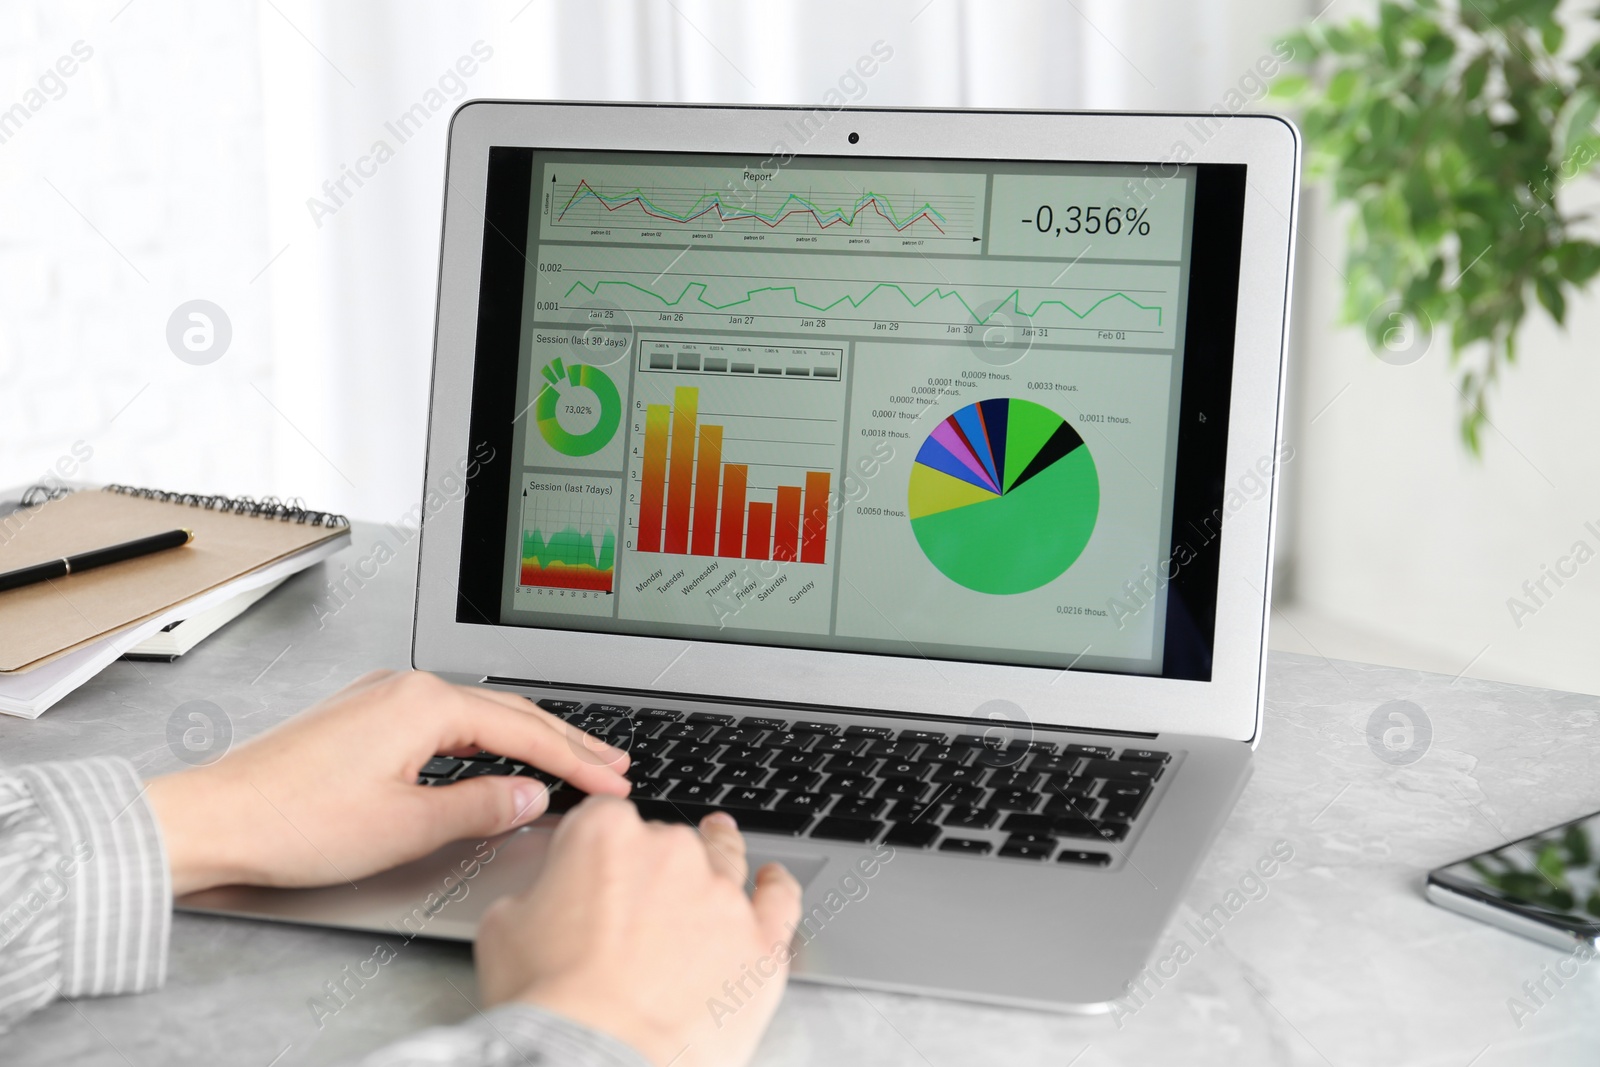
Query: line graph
point(982, 314)
point(791, 205)
point(832, 209)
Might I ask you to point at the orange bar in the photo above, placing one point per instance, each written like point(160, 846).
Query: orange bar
point(653, 479)
point(814, 534)
point(734, 477)
point(786, 536)
point(760, 531)
point(708, 466)
point(680, 467)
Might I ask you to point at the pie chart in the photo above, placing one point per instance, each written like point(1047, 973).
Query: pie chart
point(1003, 496)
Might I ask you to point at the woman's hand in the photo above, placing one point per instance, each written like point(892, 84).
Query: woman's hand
point(332, 795)
point(643, 931)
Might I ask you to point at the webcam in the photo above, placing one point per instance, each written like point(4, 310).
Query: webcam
point(855, 138)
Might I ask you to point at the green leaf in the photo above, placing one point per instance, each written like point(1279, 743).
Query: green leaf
point(1289, 87)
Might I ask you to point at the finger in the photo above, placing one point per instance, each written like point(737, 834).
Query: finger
point(725, 846)
point(587, 745)
point(497, 727)
point(482, 806)
point(777, 902)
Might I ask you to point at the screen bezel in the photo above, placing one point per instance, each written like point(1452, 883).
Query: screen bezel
point(1228, 705)
point(1577, 924)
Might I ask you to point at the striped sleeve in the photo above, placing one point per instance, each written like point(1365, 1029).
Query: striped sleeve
point(512, 1035)
point(85, 893)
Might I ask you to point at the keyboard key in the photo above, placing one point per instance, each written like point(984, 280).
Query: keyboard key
point(1027, 849)
point(522, 770)
point(971, 846)
point(1124, 801)
point(902, 789)
point(842, 829)
point(1020, 823)
point(749, 754)
point(740, 735)
point(810, 803)
point(970, 818)
point(480, 770)
point(842, 746)
point(959, 755)
point(855, 785)
point(712, 717)
point(657, 715)
point(927, 737)
point(700, 792)
point(1008, 756)
point(790, 758)
point(765, 724)
point(1054, 764)
point(960, 775)
point(1119, 770)
point(1072, 807)
point(747, 797)
point(913, 811)
point(749, 819)
point(851, 764)
point(740, 774)
point(559, 707)
point(647, 787)
point(682, 750)
point(441, 766)
point(1068, 786)
point(895, 750)
point(1144, 755)
point(795, 778)
point(1013, 780)
point(689, 731)
point(796, 739)
point(1092, 751)
point(1111, 830)
point(858, 807)
point(815, 728)
point(878, 732)
point(1014, 800)
point(912, 772)
point(1088, 859)
point(648, 748)
point(911, 834)
point(564, 800)
point(693, 770)
point(966, 796)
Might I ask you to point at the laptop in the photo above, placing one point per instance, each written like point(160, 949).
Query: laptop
point(899, 481)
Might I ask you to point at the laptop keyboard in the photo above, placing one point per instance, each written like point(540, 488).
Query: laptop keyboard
point(1032, 800)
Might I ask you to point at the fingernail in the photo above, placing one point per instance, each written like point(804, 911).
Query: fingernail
point(722, 818)
point(530, 800)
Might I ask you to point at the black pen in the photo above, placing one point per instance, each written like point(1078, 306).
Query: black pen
point(95, 557)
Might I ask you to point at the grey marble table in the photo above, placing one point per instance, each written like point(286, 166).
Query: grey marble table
point(1341, 962)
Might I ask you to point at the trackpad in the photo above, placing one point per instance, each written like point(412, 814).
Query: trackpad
point(804, 868)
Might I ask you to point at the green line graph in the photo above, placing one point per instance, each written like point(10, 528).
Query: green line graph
point(1013, 298)
point(713, 204)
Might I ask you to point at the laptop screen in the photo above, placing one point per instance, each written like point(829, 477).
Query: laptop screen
point(944, 409)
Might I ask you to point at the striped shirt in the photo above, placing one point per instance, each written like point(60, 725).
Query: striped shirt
point(86, 910)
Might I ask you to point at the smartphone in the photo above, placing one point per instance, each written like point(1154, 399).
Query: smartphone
point(1545, 886)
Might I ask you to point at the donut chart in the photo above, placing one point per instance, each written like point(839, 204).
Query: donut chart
point(1003, 497)
point(556, 399)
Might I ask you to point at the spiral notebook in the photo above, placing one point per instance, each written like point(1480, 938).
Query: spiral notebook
point(55, 635)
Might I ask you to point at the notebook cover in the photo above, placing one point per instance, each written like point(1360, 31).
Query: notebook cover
point(39, 622)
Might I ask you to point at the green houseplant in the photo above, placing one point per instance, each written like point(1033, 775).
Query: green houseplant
point(1451, 129)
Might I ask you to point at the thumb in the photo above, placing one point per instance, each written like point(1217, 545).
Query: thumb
point(777, 903)
point(481, 806)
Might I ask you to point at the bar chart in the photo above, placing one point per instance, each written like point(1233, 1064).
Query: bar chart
point(694, 500)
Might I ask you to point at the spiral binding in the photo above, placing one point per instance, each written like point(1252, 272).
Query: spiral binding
point(291, 510)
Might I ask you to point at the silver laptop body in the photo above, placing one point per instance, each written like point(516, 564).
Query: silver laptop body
point(750, 400)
